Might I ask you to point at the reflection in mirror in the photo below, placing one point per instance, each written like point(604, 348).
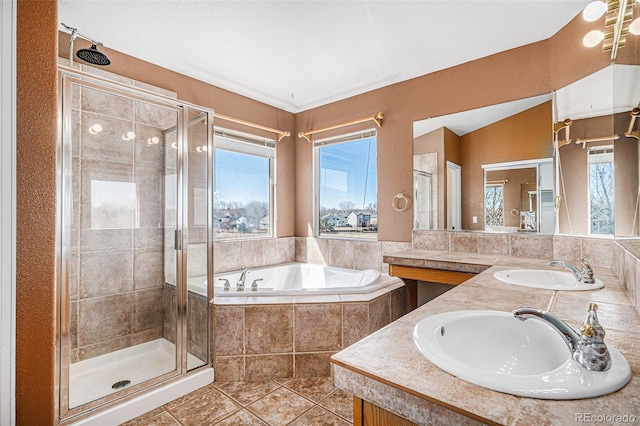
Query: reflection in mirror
point(423, 194)
point(597, 161)
point(454, 147)
point(513, 199)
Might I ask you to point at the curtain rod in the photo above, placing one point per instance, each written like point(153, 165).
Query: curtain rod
point(281, 133)
point(585, 141)
point(377, 118)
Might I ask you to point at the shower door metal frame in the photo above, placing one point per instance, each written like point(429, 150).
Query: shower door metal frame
point(64, 208)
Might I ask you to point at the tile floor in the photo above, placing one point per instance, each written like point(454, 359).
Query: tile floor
point(295, 402)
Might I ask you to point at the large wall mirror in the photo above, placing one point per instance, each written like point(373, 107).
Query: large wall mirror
point(597, 157)
point(591, 183)
point(451, 154)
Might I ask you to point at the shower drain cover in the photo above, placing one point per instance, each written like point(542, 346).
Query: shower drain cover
point(120, 384)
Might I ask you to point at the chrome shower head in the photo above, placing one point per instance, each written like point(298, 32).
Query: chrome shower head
point(93, 56)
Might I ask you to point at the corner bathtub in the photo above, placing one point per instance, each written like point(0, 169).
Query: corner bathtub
point(296, 279)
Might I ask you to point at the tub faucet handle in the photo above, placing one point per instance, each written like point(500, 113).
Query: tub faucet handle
point(254, 284)
point(227, 284)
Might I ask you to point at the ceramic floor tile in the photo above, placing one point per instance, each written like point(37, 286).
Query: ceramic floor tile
point(314, 389)
point(164, 419)
point(144, 419)
point(242, 417)
point(340, 403)
point(319, 416)
point(192, 395)
point(247, 392)
point(280, 407)
point(206, 409)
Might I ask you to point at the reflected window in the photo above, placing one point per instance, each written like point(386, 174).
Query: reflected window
point(494, 205)
point(113, 204)
point(601, 196)
point(347, 186)
point(243, 180)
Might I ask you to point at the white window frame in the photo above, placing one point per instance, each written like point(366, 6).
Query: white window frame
point(317, 144)
point(246, 143)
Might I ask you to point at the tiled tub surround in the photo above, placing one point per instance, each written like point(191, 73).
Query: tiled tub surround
point(345, 253)
point(415, 389)
point(264, 338)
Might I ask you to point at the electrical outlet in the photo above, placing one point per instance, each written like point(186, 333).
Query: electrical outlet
point(475, 219)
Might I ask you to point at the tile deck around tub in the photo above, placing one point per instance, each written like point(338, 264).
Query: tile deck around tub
point(274, 403)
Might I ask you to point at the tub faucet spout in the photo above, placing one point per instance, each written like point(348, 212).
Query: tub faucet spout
point(241, 281)
point(587, 347)
point(584, 274)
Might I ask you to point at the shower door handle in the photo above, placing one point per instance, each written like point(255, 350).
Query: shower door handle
point(177, 239)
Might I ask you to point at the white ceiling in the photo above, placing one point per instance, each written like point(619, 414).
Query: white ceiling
point(297, 55)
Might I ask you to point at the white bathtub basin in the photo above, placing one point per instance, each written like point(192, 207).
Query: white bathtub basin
point(545, 279)
point(525, 358)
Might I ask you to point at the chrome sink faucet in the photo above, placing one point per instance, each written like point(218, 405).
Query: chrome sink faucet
point(587, 347)
point(243, 278)
point(584, 274)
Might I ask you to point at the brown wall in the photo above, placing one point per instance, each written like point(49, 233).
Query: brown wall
point(518, 73)
point(625, 164)
point(36, 211)
point(523, 136)
point(527, 71)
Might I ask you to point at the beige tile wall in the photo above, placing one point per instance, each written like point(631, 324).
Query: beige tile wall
point(116, 276)
point(262, 342)
point(621, 257)
point(599, 251)
point(343, 253)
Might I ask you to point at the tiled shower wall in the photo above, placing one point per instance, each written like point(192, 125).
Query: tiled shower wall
point(116, 277)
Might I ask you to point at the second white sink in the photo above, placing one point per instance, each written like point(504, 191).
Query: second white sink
point(526, 358)
point(545, 279)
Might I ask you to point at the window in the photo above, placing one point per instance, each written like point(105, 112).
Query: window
point(243, 179)
point(601, 200)
point(113, 204)
point(346, 186)
point(494, 205)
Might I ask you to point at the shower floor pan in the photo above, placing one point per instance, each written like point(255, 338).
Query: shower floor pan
point(94, 378)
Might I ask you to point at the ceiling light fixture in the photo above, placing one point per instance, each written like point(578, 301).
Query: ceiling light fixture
point(594, 10)
point(617, 24)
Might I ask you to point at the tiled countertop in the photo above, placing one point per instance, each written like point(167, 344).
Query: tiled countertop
point(387, 369)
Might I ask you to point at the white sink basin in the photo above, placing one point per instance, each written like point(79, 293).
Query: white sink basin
point(526, 358)
point(545, 279)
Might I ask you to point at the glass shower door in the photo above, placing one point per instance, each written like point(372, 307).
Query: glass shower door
point(122, 260)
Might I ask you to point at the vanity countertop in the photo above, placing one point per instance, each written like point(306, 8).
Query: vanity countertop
point(387, 369)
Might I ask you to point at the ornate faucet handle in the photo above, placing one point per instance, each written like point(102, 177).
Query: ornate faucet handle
point(587, 330)
point(591, 326)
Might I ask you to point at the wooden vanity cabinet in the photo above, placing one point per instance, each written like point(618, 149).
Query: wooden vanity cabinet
point(368, 414)
point(411, 275)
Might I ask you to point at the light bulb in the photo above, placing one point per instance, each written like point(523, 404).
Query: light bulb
point(634, 28)
point(594, 10)
point(95, 129)
point(129, 136)
point(592, 38)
